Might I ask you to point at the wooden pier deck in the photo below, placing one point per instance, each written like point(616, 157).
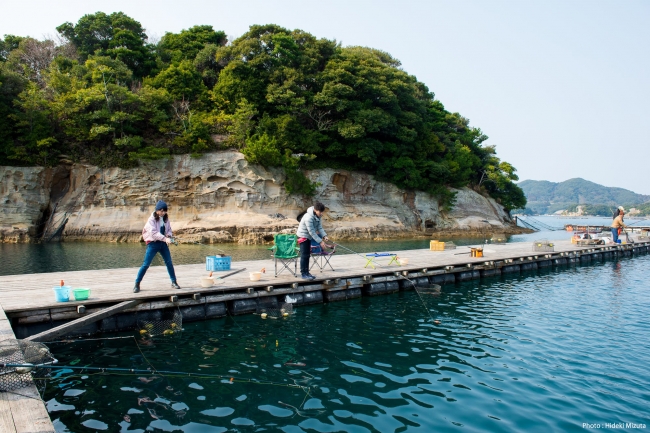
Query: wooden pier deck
point(29, 303)
point(29, 298)
point(21, 411)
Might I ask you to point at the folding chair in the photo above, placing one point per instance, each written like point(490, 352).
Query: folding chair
point(320, 257)
point(370, 259)
point(285, 250)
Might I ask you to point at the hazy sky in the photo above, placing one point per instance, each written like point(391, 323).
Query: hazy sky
point(562, 88)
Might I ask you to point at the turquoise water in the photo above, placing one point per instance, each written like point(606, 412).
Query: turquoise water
point(544, 351)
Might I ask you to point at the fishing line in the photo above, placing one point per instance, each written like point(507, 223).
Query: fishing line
point(419, 296)
point(358, 254)
point(117, 371)
point(89, 339)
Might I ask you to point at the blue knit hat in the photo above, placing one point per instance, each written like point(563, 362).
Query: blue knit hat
point(161, 205)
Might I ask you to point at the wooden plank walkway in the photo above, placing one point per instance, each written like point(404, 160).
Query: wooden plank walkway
point(21, 411)
point(33, 293)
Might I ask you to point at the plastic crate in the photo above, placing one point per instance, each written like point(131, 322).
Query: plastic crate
point(436, 246)
point(216, 263)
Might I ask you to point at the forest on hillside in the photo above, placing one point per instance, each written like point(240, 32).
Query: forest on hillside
point(544, 197)
point(103, 93)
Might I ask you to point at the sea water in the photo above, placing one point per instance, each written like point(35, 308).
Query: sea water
point(552, 350)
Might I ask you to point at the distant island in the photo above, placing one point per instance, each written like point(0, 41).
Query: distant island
point(580, 197)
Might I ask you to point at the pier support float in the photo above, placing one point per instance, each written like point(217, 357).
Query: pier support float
point(529, 267)
point(510, 269)
point(383, 288)
point(468, 275)
point(486, 273)
point(342, 294)
point(442, 279)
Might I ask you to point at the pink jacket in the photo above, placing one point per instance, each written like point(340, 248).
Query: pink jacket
point(151, 230)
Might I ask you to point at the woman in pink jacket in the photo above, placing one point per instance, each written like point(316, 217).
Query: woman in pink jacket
point(157, 233)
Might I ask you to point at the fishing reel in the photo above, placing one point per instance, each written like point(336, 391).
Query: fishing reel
point(173, 240)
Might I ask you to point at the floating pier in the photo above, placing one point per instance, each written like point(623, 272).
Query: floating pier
point(29, 303)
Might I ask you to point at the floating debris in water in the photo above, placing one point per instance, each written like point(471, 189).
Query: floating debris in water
point(147, 380)
point(295, 364)
point(144, 400)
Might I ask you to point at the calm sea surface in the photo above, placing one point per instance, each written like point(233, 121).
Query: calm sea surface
point(545, 351)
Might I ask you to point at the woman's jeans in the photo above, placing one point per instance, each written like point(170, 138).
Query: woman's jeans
point(615, 235)
point(154, 248)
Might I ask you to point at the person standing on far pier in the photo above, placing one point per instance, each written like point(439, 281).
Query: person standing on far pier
point(618, 224)
point(310, 232)
point(157, 233)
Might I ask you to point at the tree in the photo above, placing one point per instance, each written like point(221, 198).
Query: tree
point(186, 45)
point(9, 44)
point(116, 35)
point(11, 85)
point(34, 126)
point(32, 58)
point(183, 82)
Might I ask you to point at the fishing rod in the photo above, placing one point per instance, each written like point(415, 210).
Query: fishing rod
point(177, 241)
point(231, 273)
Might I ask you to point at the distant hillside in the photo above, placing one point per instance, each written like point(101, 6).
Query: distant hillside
point(547, 197)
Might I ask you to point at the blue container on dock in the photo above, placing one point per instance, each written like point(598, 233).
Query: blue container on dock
point(62, 293)
point(217, 263)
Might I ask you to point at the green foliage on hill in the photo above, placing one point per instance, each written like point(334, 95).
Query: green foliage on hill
point(548, 197)
point(284, 98)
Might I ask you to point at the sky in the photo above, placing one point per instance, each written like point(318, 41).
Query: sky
point(562, 88)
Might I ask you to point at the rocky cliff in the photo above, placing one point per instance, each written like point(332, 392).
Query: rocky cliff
point(219, 197)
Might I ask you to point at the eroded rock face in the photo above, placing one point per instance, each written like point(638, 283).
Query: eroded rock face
point(221, 198)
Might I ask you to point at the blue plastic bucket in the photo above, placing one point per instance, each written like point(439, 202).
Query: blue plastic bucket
point(62, 294)
point(216, 263)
